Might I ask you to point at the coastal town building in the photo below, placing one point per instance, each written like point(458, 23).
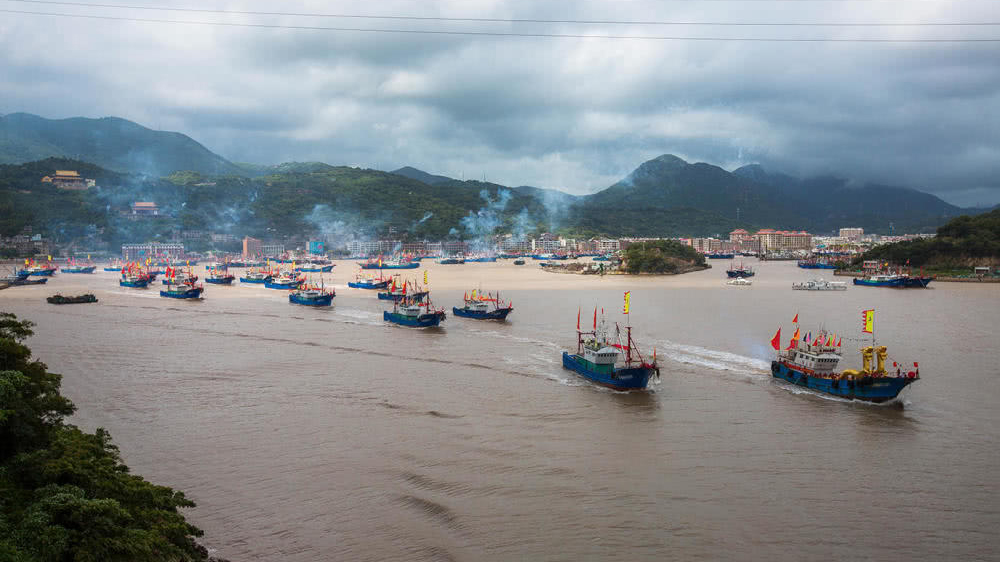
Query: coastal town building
point(272, 250)
point(145, 209)
point(783, 240)
point(852, 234)
point(25, 243)
point(251, 247)
point(68, 179)
point(153, 251)
point(510, 244)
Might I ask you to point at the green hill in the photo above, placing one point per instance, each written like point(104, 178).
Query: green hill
point(110, 142)
point(963, 242)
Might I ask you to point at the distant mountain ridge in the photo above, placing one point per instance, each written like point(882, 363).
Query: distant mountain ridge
point(110, 142)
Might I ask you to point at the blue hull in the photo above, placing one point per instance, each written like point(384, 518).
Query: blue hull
point(324, 300)
point(135, 284)
point(273, 285)
point(194, 293)
point(410, 265)
point(254, 281)
point(89, 269)
point(323, 269)
point(481, 260)
point(720, 256)
point(422, 321)
point(917, 282)
point(42, 273)
point(635, 378)
point(736, 274)
point(379, 285)
point(112, 269)
point(869, 389)
point(817, 266)
point(220, 280)
point(499, 314)
point(871, 283)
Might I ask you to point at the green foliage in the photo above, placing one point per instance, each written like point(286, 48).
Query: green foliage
point(64, 493)
point(961, 241)
point(660, 256)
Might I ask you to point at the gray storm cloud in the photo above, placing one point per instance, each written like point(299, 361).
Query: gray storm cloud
point(570, 114)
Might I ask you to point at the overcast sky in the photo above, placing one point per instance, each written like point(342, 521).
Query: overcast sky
point(567, 113)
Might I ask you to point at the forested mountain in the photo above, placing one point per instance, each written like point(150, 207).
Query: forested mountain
point(110, 142)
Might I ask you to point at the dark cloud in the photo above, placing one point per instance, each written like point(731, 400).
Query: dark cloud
point(576, 114)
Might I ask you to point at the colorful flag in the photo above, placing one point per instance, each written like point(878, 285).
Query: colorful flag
point(628, 297)
point(595, 318)
point(577, 319)
point(776, 340)
point(868, 317)
point(425, 277)
point(839, 341)
point(796, 319)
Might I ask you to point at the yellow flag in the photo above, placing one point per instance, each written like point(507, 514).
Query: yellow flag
point(25, 261)
point(869, 321)
point(50, 258)
point(425, 277)
point(88, 257)
point(473, 294)
point(188, 262)
point(628, 297)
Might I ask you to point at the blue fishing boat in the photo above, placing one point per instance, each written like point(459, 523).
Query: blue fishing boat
point(368, 284)
point(614, 362)
point(813, 365)
point(414, 313)
point(519, 261)
point(135, 282)
point(220, 279)
point(112, 269)
point(451, 261)
point(880, 280)
point(720, 256)
point(402, 290)
point(480, 307)
point(312, 296)
point(916, 281)
point(390, 264)
point(79, 269)
point(40, 271)
point(285, 281)
point(183, 291)
point(489, 259)
point(815, 264)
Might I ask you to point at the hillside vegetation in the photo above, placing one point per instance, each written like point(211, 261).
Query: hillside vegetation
point(962, 242)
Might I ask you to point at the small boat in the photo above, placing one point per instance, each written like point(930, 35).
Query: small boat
point(452, 260)
point(482, 307)
point(182, 291)
point(720, 256)
point(220, 279)
point(813, 365)
point(739, 282)
point(79, 269)
point(285, 281)
point(80, 299)
point(482, 259)
point(19, 281)
point(820, 285)
point(519, 261)
point(361, 282)
point(916, 281)
point(815, 264)
point(614, 362)
point(414, 313)
point(256, 277)
point(312, 296)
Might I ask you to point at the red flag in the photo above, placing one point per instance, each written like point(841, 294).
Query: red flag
point(595, 318)
point(840, 340)
point(577, 319)
point(796, 319)
point(776, 340)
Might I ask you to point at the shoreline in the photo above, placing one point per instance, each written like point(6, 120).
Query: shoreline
point(942, 279)
point(565, 269)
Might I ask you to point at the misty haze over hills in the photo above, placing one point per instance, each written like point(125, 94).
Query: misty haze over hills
point(665, 196)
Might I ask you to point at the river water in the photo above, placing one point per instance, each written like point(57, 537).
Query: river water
point(308, 435)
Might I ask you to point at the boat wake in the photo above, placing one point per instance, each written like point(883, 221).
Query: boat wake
point(712, 359)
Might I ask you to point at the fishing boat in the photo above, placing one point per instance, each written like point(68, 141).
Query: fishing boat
point(220, 276)
point(820, 285)
point(35, 270)
point(312, 295)
point(481, 259)
point(739, 282)
point(813, 365)
point(285, 281)
point(182, 291)
point(452, 260)
point(720, 256)
point(74, 267)
point(611, 361)
point(362, 282)
point(815, 264)
point(136, 281)
point(402, 290)
point(394, 263)
point(483, 307)
point(414, 313)
point(915, 281)
point(314, 268)
point(880, 280)
point(114, 265)
point(171, 277)
point(519, 261)
point(79, 299)
point(737, 271)
point(257, 277)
